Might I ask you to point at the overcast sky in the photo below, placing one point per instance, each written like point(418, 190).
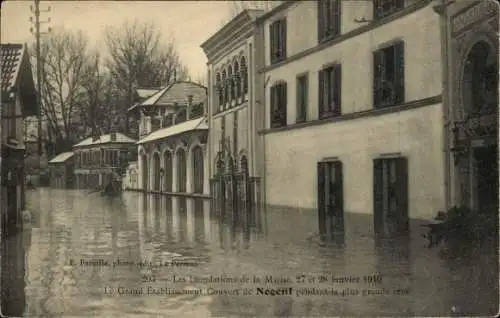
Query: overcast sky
point(189, 22)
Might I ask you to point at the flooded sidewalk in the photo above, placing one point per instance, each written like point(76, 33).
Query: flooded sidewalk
point(147, 256)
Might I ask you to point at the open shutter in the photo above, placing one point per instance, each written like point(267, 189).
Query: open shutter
point(283, 39)
point(402, 194)
point(378, 65)
point(272, 106)
point(378, 196)
point(284, 104)
point(399, 60)
point(321, 100)
point(339, 188)
point(337, 89)
point(272, 42)
point(321, 20)
point(337, 16)
point(321, 171)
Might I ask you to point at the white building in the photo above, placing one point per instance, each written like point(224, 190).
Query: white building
point(172, 149)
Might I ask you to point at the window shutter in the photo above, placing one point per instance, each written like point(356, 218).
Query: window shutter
point(376, 5)
point(321, 199)
point(321, 100)
point(272, 42)
point(378, 64)
point(321, 20)
point(299, 98)
point(402, 194)
point(337, 16)
point(378, 189)
point(339, 208)
point(399, 54)
point(273, 105)
point(283, 39)
point(337, 77)
point(284, 105)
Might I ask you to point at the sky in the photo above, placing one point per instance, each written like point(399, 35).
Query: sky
point(189, 23)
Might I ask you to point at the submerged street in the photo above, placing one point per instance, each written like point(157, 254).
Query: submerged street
point(138, 256)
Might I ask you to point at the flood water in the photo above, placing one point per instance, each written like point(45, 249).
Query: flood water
point(146, 256)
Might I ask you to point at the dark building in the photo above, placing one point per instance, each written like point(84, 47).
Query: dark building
point(61, 170)
point(18, 101)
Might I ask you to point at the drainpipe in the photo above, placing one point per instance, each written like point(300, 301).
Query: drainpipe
point(441, 9)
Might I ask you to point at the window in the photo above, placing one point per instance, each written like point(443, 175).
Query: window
point(230, 82)
point(329, 19)
point(181, 170)
point(196, 111)
point(330, 91)
point(390, 185)
point(223, 88)
point(302, 98)
point(181, 116)
point(278, 105)
point(218, 86)
point(383, 8)
point(388, 85)
point(244, 76)
point(277, 36)
point(155, 123)
point(237, 79)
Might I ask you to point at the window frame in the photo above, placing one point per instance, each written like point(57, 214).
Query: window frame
point(278, 104)
point(331, 90)
point(379, 12)
point(277, 41)
point(396, 84)
point(329, 19)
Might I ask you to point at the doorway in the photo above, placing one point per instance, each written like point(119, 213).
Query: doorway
point(487, 178)
point(331, 201)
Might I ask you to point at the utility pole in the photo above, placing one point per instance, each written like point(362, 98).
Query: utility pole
point(36, 31)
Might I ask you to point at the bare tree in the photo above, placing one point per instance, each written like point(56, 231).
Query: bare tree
point(64, 59)
point(140, 57)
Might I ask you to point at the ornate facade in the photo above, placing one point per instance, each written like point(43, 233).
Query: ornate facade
point(233, 87)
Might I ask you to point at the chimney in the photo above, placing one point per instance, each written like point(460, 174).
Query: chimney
point(113, 136)
point(189, 106)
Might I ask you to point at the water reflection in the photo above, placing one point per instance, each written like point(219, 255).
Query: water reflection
point(74, 226)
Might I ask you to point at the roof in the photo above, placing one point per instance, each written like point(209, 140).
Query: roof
point(105, 139)
point(176, 93)
point(62, 157)
point(11, 57)
point(15, 71)
point(190, 125)
point(146, 92)
point(228, 28)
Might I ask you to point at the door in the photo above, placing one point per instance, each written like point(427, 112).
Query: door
point(331, 201)
point(390, 197)
point(487, 178)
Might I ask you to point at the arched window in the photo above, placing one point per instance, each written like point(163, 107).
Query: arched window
point(197, 155)
point(220, 94)
point(156, 172)
point(230, 86)
point(224, 85)
point(145, 172)
point(181, 170)
point(244, 75)
point(481, 80)
point(237, 77)
point(168, 168)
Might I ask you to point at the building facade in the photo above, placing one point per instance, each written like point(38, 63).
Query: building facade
point(98, 160)
point(470, 33)
point(61, 171)
point(18, 101)
point(172, 149)
point(353, 111)
point(233, 86)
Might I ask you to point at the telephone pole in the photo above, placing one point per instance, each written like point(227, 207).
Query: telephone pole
point(36, 31)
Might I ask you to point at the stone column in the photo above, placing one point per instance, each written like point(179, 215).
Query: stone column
point(189, 170)
point(174, 170)
point(206, 169)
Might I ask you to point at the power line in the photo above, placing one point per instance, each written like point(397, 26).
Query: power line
point(36, 31)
